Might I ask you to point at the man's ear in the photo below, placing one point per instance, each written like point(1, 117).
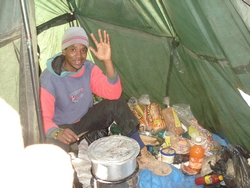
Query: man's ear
point(64, 52)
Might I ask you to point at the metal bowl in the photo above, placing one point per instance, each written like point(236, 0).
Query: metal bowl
point(159, 140)
point(154, 148)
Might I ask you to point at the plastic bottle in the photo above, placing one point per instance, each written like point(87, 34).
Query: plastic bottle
point(209, 179)
point(196, 155)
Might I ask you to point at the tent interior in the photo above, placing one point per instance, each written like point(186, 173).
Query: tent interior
point(195, 52)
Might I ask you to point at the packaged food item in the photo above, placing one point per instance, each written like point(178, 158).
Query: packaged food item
point(137, 106)
point(194, 128)
point(209, 179)
point(196, 153)
point(173, 123)
point(154, 118)
point(139, 113)
point(180, 144)
point(193, 132)
point(167, 155)
point(167, 136)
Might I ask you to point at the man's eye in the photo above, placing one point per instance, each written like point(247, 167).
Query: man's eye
point(84, 50)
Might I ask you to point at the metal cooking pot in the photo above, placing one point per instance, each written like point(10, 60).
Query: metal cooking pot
point(113, 158)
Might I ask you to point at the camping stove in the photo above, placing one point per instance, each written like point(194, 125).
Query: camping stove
point(129, 182)
point(113, 162)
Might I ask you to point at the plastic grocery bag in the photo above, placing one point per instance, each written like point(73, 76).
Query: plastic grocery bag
point(241, 167)
point(194, 128)
point(184, 113)
point(239, 156)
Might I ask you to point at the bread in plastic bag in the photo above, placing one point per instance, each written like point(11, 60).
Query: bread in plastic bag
point(154, 118)
point(173, 123)
point(138, 111)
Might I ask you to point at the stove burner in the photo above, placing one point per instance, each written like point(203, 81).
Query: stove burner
point(130, 182)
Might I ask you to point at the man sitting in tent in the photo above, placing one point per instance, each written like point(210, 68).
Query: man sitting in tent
point(67, 85)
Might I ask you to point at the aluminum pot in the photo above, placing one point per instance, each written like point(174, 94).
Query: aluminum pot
point(113, 158)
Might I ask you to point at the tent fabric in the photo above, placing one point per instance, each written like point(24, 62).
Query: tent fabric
point(210, 63)
point(205, 70)
point(16, 83)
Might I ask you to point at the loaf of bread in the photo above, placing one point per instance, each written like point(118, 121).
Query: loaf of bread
point(153, 117)
point(173, 123)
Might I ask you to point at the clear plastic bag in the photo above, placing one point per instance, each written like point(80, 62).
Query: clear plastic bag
point(194, 128)
point(133, 101)
point(184, 113)
point(144, 99)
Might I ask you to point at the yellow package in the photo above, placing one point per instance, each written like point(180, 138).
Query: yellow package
point(193, 132)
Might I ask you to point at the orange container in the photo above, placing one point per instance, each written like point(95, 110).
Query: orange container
point(196, 155)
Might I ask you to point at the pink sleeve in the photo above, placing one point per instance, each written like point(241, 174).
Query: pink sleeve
point(103, 86)
point(48, 109)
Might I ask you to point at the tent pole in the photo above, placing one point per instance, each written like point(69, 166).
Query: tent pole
point(175, 44)
point(32, 70)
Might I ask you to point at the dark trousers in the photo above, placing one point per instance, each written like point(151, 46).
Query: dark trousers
point(101, 116)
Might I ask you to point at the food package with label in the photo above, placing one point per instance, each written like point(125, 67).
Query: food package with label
point(138, 110)
point(154, 118)
point(172, 121)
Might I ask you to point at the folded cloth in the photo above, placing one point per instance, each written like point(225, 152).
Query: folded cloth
point(148, 161)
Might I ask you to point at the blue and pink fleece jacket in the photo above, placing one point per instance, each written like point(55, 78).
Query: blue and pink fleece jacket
point(66, 96)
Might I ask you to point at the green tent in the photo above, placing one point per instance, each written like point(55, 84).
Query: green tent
point(195, 52)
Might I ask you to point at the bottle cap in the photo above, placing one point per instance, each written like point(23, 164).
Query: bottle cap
point(198, 139)
point(220, 177)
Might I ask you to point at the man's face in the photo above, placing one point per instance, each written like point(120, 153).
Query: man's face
point(75, 55)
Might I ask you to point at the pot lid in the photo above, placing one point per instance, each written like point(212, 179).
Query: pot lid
point(113, 149)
